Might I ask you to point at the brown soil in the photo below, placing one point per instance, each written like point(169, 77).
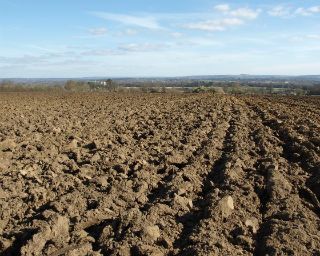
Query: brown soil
point(89, 174)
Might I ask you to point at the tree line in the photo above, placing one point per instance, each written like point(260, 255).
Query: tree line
point(112, 86)
point(69, 86)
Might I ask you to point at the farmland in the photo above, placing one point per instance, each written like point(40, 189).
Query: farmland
point(159, 174)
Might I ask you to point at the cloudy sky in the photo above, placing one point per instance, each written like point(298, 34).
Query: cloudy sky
point(78, 38)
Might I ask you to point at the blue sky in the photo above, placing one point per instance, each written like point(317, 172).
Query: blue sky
point(79, 38)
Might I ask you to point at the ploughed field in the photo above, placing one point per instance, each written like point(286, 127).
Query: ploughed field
point(162, 174)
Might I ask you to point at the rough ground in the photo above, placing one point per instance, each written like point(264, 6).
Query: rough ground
point(90, 174)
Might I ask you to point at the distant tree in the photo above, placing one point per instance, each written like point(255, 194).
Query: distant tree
point(92, 86)
point(163, 89)
point(236, 88)
point(70, 85)
point(270, 89)
point(76, 86)
point(10, 86)
point(111, 85)
point(314, 90)
point(300, 92)
point(199, 89)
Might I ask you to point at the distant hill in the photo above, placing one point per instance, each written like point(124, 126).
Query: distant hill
point(218, 78)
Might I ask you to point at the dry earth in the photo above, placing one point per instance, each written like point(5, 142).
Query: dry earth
point(120, 174)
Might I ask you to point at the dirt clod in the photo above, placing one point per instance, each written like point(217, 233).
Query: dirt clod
point(253, 224)
point(151, 232)
point(226, 206)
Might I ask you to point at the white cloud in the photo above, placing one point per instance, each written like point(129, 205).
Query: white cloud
point(279, 11)
point(130, 32)
point(125, 49)
point(286, 12)
point(315, 9)
point(314, 36)
point(200, 41)
point(176, 34)
point(234, 17)
point(215, 25)
point(146, 47)
point(222, 7)
point(127, 32)
point(302, 11)
point(100, 52)
point(245, 13)
point(308, 11)
point(97, 31)
point(138, 21)
point(302, 38)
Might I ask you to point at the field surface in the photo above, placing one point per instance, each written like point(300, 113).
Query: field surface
point(161, 174)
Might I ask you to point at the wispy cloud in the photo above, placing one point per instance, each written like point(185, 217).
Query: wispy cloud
point(280, 11)
point(97, 31)
point(215, 25)
point(308, 11)
point(286, 11)
point(99, 52)
point(234, 17)
point(176, 34)
point(314, 36)
point(127, 32)
point(304, 37)
point(124, 49)
point(244, 12)
point(145, 47)
point(138, 21)
point(199, 42)
point(222, 7)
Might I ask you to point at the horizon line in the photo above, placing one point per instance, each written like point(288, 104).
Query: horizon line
point(155, 76)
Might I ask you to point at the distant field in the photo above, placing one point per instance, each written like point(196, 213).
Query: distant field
point(159, 174)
